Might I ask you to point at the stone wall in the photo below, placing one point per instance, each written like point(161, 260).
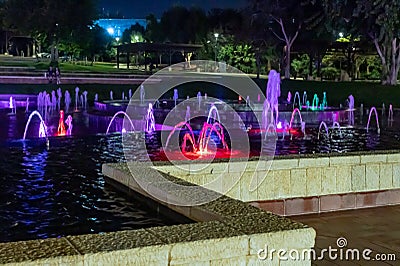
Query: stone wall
point(300, 177)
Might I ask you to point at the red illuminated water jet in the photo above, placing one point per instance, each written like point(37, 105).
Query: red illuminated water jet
point(61, 126)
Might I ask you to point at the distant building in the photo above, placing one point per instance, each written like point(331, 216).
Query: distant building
point(115, 27)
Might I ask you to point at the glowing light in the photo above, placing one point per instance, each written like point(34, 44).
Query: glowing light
point(110, 30)
point(61, 127)
point(201, 146)
point(279, 125)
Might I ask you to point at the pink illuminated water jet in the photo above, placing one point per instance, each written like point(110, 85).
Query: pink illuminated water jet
point(296, 110)
point(201, 145)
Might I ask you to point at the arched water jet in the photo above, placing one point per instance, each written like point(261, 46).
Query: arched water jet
point(297, 96)
point(373, 109)
point(204, 137)
point(115, 116)
point(315, 102)
point(296, 110)
point(323, 124)
point(180, 126)
point(304, 98)
point(337, 125)
point(42, 127)
point(213, 113)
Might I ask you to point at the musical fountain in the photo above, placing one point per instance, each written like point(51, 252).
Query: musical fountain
point(202, 138)
point(195, 148)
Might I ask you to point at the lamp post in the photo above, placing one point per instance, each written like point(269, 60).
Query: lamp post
point(216, 35)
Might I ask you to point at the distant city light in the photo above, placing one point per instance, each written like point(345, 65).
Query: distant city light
point(110, 31)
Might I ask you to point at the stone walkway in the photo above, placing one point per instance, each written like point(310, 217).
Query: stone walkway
point(375, 228)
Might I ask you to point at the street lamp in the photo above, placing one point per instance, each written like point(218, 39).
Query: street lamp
point(216, 35)
point(136, 38)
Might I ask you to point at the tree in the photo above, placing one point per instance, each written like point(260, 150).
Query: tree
point(128, 36)
point(383, 28)
point(300, 65)
point(226, 21)
point(97, 43)
point(380, 21)
point(238, 55)
point(284, 19)
point(50, 20)
point(153, 30)
point(180, 25)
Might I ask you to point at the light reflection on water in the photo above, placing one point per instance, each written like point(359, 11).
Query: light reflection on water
point(60, 190)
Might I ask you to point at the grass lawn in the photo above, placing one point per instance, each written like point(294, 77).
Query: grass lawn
point(368, 93)
point(43, 64)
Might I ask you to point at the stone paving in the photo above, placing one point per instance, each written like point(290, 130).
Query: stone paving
point(375, 228)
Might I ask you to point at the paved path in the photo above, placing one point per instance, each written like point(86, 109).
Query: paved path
point(376, 228)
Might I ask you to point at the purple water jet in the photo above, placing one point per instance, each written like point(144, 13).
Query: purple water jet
point(115, 116)
point(373, 109)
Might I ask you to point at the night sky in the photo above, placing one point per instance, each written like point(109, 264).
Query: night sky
point(141, 8)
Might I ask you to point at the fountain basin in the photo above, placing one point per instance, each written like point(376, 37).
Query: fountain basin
point(222, 235)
